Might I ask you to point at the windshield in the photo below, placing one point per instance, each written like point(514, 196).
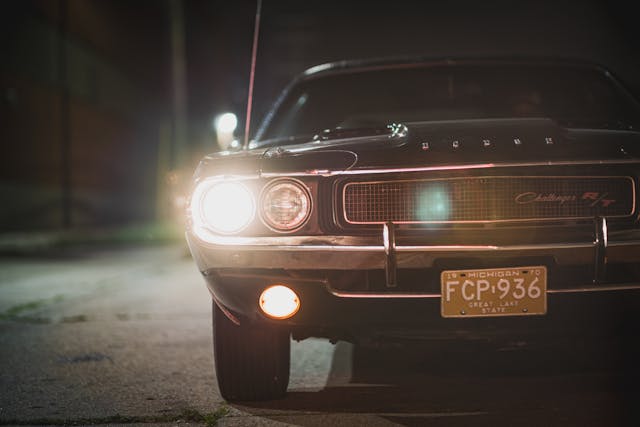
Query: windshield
point(573, 96)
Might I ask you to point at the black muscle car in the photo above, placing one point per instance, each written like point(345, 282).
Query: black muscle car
point(419, 198)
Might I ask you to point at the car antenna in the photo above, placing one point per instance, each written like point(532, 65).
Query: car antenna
point(252, 73)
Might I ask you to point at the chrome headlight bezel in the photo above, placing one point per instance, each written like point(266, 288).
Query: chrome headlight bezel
point(307, 205)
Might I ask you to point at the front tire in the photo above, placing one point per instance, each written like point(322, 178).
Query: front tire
point(251, 361)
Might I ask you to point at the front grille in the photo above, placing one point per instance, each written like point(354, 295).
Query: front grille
point(487, 199)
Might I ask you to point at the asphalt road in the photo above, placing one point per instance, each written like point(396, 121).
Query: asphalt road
point(124, 337)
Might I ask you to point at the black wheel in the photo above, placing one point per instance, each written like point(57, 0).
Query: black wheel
point(252, 361)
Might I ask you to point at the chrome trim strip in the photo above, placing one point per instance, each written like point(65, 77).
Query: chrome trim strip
point(264, 244)
point(631, 213)
point(269, 278)
point(342, 244)
point(459, 167)
point(331, 243)
point(600, 256)
point(380, 296)
point(323, 281)
point(418, 295)
point(390, 262)
point(542, 246)
point(627, 287)
point(379, 171)
point(625, 243)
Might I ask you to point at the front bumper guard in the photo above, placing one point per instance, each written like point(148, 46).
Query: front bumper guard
point(357, 252)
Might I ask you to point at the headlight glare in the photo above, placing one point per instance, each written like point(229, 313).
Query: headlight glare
point(224, 207)
point(286, 205)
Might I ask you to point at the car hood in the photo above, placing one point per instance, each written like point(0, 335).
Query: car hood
point(445, 143)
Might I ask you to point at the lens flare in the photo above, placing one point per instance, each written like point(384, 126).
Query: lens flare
point(434, 204)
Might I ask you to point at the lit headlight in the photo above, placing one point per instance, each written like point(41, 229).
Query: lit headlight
point(286, 205)
point(224, 207)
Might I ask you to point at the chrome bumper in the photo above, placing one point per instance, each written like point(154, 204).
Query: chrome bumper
point(240, 257)
point(349, 253)
point(237, 268)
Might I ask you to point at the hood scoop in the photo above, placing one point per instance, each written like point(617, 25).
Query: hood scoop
point(321, 162)
point(393, 130)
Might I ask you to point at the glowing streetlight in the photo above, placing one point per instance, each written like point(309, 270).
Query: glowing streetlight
point(224, 125)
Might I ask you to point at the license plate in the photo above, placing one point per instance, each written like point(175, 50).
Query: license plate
point(519, 291)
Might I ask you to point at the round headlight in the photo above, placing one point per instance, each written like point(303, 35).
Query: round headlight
point(224, 207)
point(286, 205)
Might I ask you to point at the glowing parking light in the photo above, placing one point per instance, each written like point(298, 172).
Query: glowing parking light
point(279, 302)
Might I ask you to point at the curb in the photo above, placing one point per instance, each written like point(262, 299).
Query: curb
point(33, 242)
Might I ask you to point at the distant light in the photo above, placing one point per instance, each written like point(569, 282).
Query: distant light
point(235, 143)
point(226, 123)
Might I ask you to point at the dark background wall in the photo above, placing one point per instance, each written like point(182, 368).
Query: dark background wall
point(106, 105)
point(84, 94)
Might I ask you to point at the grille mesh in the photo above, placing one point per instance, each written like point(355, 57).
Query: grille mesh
point(487, 199)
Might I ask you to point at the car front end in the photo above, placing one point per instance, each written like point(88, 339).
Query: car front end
point(453, 226)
